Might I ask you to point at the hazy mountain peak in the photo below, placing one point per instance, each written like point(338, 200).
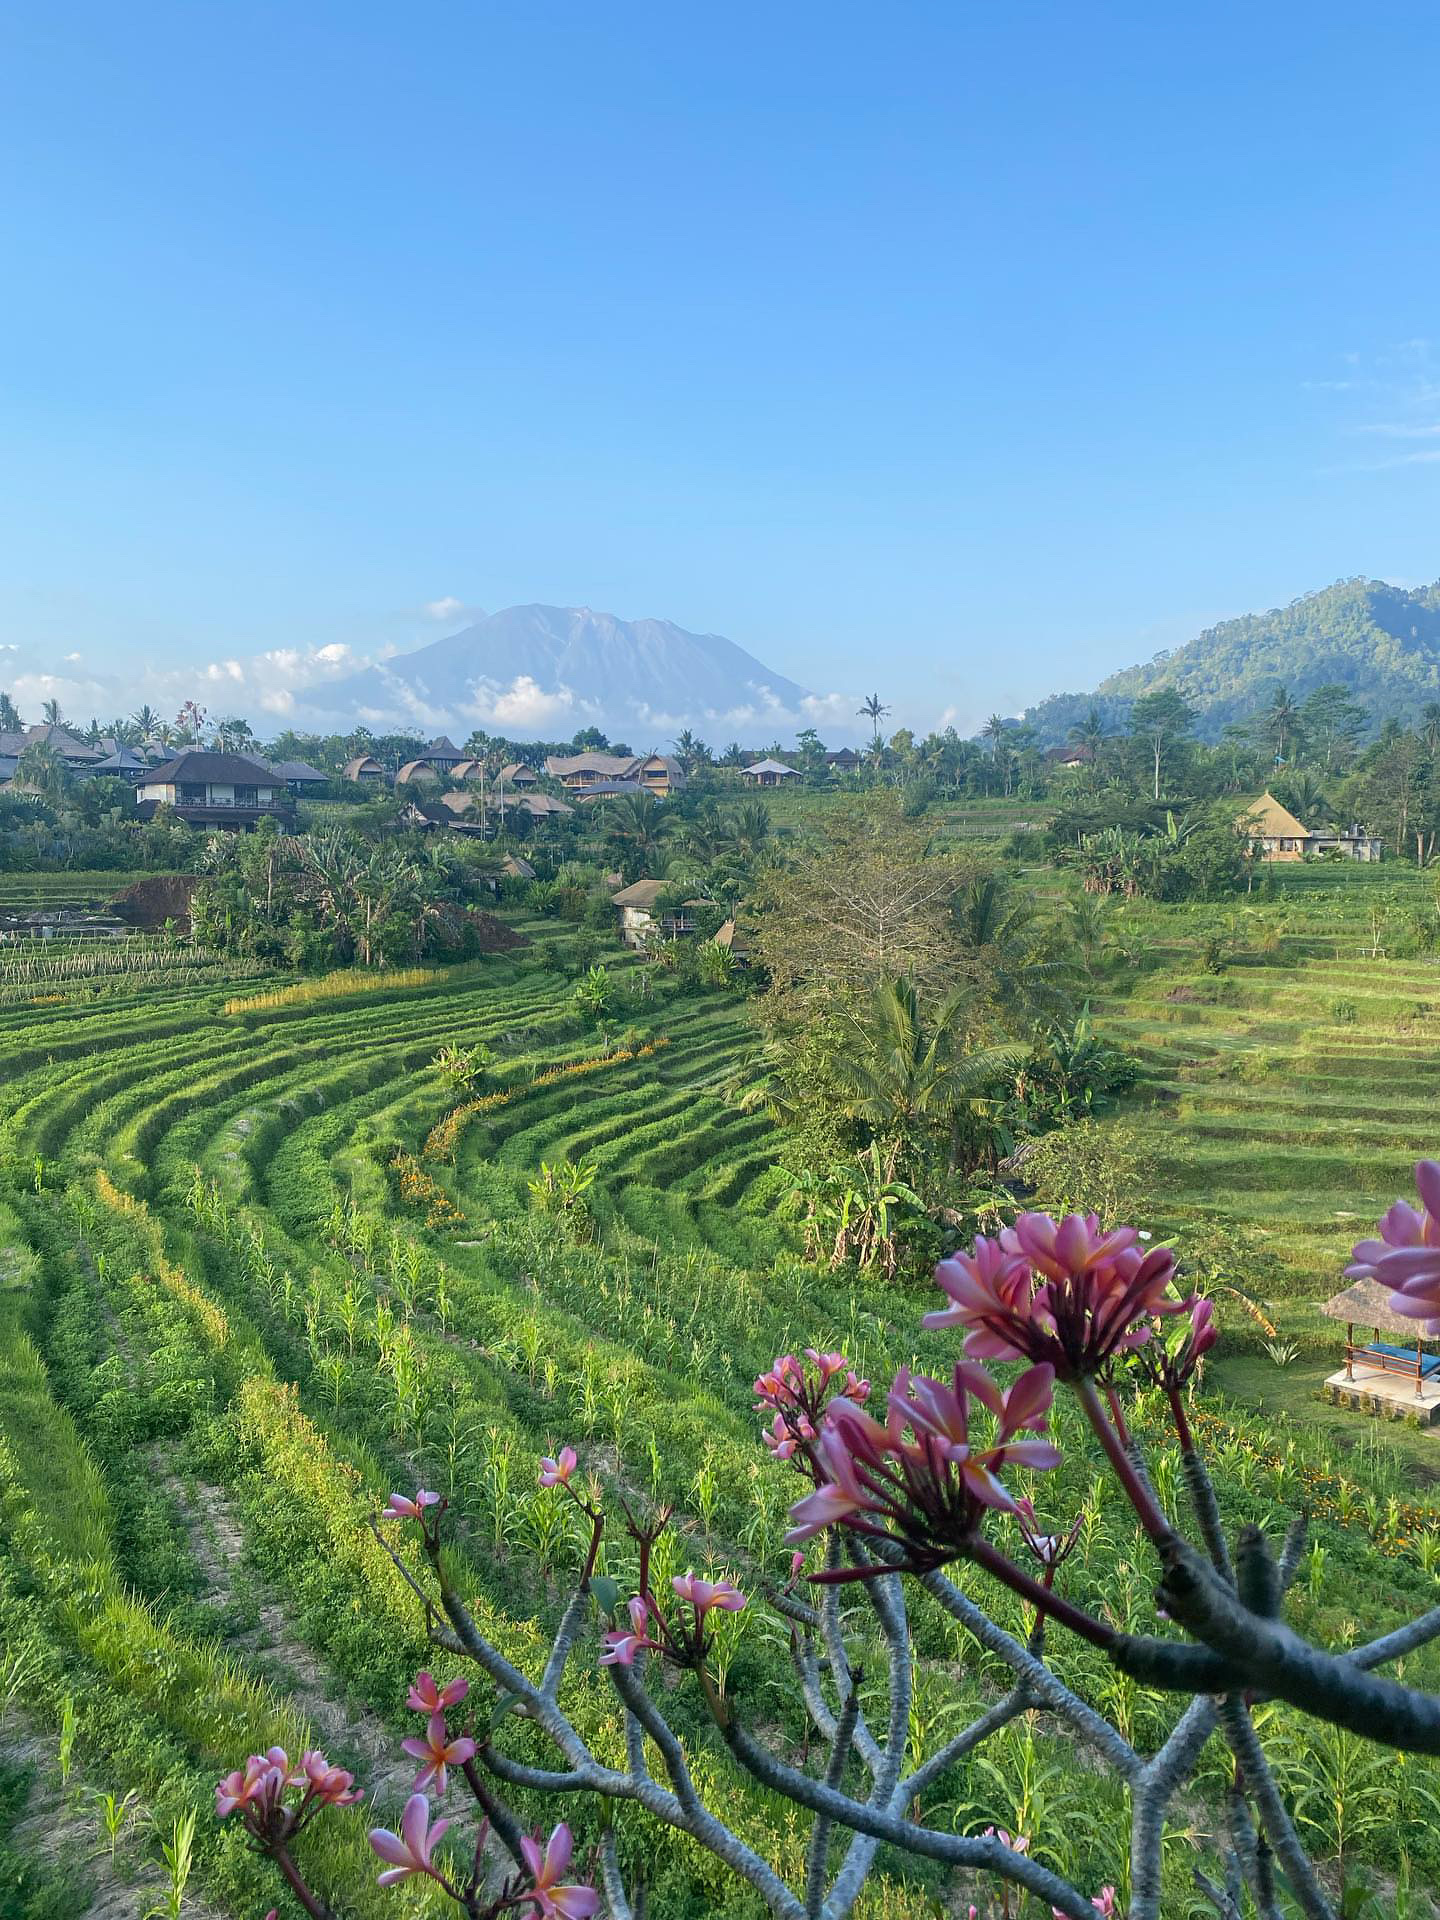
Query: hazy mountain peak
point(541, 671)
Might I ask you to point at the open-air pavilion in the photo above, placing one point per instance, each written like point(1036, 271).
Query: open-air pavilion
point(1395, 1369)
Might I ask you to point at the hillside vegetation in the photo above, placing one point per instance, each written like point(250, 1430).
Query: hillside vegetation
point(1379, 641)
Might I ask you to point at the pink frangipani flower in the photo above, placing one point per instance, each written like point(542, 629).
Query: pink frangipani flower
point(557, 1472)
point(705, 1594)
point(546, 1864)
point(1060, 1293)
point(621, 1647)
point(425, 1697)
point(412, 1849)
point(438, 1752)
point(404, 1506)
point(331, 1785)
point(921, 1478)
point(1406, 1257)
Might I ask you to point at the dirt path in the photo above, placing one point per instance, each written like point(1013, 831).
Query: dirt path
point(353, 1738)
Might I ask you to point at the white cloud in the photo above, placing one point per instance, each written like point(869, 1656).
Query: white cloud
point(72, 659)
point(445, 608)
point(523, 707)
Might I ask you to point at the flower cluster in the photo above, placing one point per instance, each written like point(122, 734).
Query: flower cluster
point(1406, 1257)
point(1049, 1550)
point(260, 1792)
point(1062, 1293)
point(921, 1478)
point(795, 1394)
point(680, 1638)
point(439, 1750)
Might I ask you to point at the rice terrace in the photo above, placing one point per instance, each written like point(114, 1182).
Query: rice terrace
point(719, 964)
point(277, 1242)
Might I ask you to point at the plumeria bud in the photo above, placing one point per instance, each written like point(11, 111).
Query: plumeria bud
point(557, 1472)
point(332, 1785)
point(621, 1647)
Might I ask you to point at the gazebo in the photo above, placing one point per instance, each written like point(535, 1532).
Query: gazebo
point(1365, 1303)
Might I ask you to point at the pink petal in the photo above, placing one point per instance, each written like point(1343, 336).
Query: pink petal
point(1427, 1181)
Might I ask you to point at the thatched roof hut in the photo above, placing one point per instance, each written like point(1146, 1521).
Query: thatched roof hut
point(1366, 1303)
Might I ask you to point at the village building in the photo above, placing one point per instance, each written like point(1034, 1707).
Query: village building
point(365, 769)
point(442, 754)
point(299, 776)
point(517, 774)
point(843, 759)
point(213, 790)
point(639, 923)
point(593, 774)
point(769, 773)
point(1274, 833)
point(76, 755)
point(417, 773)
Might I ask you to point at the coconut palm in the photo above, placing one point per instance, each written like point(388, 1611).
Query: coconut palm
point(1089, 735)
point(1281, 723)
point(10, 721)
point(1022, 970)
point(51, 714)
point(873, 709)
point(42, 771)
point(635, 825)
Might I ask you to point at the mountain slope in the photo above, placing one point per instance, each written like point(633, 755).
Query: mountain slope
point(1381, 642)
point(547, 671)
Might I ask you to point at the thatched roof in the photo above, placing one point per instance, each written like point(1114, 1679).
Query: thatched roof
point(1269, 820)
point(1365, 1303)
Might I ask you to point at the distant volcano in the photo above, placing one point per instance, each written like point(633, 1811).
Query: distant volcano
point(545, 672)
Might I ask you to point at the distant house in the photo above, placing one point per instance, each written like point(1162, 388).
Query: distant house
point(299, 776)
point(844, 759)
point(517, 774)
point(1067, 759)
point(593, 773)
point(769, 773)
point(638, 921)
point(442, 754)
point(468, 769)
point(213, 789)
point(1275, 834)
point(430, 816)
point(516, 868)
point(76, 755)
point(417, 773)
point(123, 760)
point(539, 806)
point(366, 769)
point(734, 942)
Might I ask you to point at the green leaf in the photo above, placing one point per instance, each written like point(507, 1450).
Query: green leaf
point(606, 1592)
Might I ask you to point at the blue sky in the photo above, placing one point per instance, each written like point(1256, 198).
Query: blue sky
point(964, 351)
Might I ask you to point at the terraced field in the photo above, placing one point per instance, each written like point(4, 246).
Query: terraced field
point(1296, 1087)
point(252, 1276)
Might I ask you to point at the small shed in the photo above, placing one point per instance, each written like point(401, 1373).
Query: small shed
point(417, 773)
point(635, 906)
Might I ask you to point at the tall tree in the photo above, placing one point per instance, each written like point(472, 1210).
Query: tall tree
point(1332, 721)
point(1281, 723)
point(10, 721)
point(1089, 735)
point(51, 714)
point(873, 709)
point(40, 769)
point(1161, 720)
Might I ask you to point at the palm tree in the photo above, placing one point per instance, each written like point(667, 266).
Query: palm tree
point(733, 756)
point(873, 709)
point(909, 1073)
point(1089, 735)
point(10, 721)
point(146, 721)
point(750, 828)
point(52, 715)
point(1018, 958)
point(691, 752)
point(42, 771)
point(636, 824)
point(1281, 722)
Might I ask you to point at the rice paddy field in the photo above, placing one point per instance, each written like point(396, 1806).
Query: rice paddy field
point(259, 1266)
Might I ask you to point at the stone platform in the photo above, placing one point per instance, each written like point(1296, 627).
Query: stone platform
point(1392, 1396)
